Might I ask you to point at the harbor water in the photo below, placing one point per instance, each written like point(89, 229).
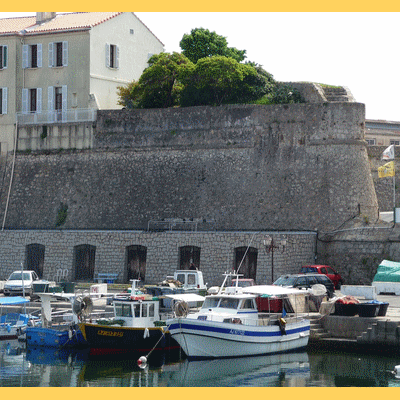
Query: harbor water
point(41, 367)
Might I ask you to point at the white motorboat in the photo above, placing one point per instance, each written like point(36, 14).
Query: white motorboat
point(239, 322)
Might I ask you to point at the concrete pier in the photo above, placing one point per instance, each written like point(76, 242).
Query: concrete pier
point(375, 334)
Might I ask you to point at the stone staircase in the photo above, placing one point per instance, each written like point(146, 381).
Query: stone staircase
point(336, 94)
point(317, 332)
point(381, 331)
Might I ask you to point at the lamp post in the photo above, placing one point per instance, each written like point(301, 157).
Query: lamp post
point(270, 245)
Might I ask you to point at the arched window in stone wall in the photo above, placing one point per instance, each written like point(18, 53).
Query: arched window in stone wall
point(34, 258)
point(189, 257)
point(84, 262)
point(249, 264)
point(135, 257)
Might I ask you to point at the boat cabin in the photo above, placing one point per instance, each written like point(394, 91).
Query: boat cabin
point(137, 313)
point(137, 309)
point(225, 307)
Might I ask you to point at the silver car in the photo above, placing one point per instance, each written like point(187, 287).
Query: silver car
point(13, 285)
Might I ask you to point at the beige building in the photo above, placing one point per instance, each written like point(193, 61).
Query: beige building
point(58, 69)
point(382, 133)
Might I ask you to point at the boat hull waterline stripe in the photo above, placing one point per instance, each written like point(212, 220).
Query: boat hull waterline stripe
point(234, 330)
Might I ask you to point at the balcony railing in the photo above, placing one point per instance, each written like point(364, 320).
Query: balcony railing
point(57, 117)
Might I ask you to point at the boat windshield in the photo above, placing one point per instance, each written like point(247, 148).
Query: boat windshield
point(16, 276)
point(123, 310)
point(211, 302)
point(229, 303)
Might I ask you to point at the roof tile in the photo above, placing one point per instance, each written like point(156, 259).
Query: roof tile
point(14, 25)
point(61, 22)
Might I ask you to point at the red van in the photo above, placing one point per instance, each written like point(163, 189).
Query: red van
point(324, 270)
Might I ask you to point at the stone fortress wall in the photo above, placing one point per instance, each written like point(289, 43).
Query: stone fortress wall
point(234, 169)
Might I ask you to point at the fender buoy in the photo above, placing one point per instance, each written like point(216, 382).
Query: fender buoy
point(282, 325)
point(142, 362)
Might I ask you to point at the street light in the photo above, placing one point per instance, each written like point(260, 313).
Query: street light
point(270, 245)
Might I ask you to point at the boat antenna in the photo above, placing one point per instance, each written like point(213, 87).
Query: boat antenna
point(22, 279)
point(23, 285)
point(245, 253)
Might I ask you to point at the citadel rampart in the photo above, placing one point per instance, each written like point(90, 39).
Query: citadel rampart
point(302, 166)
point(243, 168)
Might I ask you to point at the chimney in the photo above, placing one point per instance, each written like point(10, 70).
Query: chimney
point(44, 16)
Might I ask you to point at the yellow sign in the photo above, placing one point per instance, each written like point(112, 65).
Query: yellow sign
point(386, 170)
point(108, 333)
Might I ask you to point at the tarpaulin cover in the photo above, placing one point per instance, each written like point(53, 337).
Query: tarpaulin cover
point(388, 271)
point(12, 301)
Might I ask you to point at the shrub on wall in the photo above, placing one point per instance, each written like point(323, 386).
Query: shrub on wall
point(62, 215)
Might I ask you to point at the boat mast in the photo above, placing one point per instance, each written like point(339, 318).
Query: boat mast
point(23, 285)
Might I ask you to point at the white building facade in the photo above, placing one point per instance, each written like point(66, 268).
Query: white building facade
point(58, 69)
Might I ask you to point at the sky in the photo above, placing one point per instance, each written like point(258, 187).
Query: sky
point(353, 49)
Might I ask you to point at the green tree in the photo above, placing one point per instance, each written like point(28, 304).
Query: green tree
point(201, 43)
point(221, 80)
point(126, 95)
point(258, 85)
point(159, 85)
point(284, 93)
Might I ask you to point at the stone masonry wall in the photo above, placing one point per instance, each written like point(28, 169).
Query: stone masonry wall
point(216, 257)
point(55, 136)
point(299, 167)
point(237, 169)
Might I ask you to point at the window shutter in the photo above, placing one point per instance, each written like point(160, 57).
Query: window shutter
point(50, 98)
point(25, 93)
point(4, 100)
point(107, 55)
point(64, 97)
point(25, 54)
point(39, 100)
point(50, 104)
point(51, 55)
point(117, 57)
point(65, 54)
point(5, 56)
point(39, 55)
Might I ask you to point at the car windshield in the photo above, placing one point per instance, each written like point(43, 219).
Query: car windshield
point(308, 269)
point(285, 281)
point(16, 276)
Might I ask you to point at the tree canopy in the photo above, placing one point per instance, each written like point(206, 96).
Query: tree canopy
point(221, 80)
point(159, 85)
point(207, 72)
point(201, 43)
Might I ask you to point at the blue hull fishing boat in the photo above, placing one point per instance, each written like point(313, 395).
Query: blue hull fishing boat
point(65, 336)
point(13, 324)
point(58, 335)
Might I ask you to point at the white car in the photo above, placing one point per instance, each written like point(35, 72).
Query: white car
point(13, 285)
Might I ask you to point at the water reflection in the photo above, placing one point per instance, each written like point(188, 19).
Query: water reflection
point(41, 367)
point(278, 370)
point(353, 370)
point(12, 362)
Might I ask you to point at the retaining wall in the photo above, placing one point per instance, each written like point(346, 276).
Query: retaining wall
point(217, 252)
point(300, 167)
